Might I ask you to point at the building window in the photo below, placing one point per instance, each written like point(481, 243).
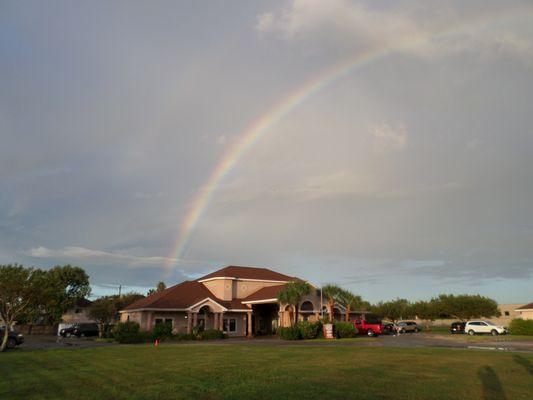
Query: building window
point(165, 321)
point(77, 311)
point(506, 313)
point(169, 321)
point(158, 321)
point(230, 325)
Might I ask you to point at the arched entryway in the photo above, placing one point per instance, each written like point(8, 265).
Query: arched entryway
point(206, 318)
point(307, 310)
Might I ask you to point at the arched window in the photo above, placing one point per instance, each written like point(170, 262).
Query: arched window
point(307, 306)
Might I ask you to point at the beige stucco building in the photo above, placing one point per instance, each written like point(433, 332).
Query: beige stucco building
point(525, 311)
point(241, 301)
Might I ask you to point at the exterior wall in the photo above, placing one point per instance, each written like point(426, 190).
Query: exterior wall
point(526, 314)
point(240, 323)
point(77, 315)
point(221, 288)
point(246, 288)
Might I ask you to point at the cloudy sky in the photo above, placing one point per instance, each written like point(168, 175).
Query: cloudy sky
point(409, 175)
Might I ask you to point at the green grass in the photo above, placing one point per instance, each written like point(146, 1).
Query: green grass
point(205, 371)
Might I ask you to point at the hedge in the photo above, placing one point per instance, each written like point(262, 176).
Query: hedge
point(344, 330)
point(521, 327)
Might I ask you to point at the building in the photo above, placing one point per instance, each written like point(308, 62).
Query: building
point(241, 301)
point(78, 314)
point(526, 311)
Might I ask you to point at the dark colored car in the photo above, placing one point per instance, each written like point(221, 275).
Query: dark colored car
point(457, 327)
point(14, 338)
point(80, 330)
point(388, 328)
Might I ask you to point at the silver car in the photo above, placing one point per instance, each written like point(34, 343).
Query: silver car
point(407, 326)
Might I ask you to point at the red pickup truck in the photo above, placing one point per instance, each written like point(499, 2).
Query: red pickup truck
point(368, 325)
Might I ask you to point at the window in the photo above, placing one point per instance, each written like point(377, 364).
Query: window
point(230, 325)
point(506, 313)
point(158, 321)
point(169, 321)
point(166, 321)
point(77, 311)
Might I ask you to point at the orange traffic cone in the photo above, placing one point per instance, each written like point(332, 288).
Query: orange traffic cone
point(156, 342)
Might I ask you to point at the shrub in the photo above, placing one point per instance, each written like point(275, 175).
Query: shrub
point(128, 332)
point(309, 330)
point(290, 333)
point(210, 334)
point(520, 326)
point(161, 331)
point(344, 330)
point(183, 336)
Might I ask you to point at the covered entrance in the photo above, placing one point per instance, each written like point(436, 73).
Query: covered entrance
point(264, 319)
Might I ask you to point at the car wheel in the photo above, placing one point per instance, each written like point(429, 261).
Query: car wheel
point(82, 334)
point(471, 332)
point(370, 333)
point(11, 343)
point(68, 334)
point(416, 330)
point(402, 330)
point(494, 332)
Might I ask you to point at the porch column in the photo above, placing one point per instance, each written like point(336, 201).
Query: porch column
point(221, 321)
point(216, 323)
point(280, 314)
point(189, 322)
point(249, 324)
point(194, 319)
point(244, 324)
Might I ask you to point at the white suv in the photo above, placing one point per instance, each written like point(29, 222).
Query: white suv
point(473, 327)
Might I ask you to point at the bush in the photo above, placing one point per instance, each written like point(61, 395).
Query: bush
point(344, 330)
point(128, 332)
point(290, 333)
point(183, 336)
point(520, 326)
point(161, 331)
point(210, 334)
point(309, 330)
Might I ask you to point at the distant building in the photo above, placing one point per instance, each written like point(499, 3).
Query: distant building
point(526, 311)
point(78, 314)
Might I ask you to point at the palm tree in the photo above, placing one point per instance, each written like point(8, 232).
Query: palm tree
point(333, 295)
point(292, 294)
point(351, 302)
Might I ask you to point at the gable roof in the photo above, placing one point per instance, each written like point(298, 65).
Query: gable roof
point(266, 293)
point(526, 307)
point(237, 272)
point(182, 296)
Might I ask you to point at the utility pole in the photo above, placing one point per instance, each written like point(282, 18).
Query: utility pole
point(119, 290)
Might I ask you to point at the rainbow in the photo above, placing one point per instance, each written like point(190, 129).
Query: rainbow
point(261, 126)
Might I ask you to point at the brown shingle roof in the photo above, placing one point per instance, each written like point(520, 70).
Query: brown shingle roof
point(526, 307)
point(267, 293)
point(233, 271)
point(182, 295)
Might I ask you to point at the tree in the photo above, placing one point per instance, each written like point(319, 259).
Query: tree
point(426, 310)
point(465, 307)
point(393, 310)
point(65, 286)
point(158, 288)
point(351, 302)
point(20, 290)
point(292, 294)
point(104, 310)
point(333, 294)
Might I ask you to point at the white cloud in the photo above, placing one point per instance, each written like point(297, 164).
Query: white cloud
point(389, 138)
point(98, 256)
point(416, 30)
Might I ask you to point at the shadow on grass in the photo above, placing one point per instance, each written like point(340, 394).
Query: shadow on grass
point(524, 362)
point(492, 386)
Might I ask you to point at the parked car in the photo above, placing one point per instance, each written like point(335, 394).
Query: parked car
point(457, 327)
point(388, 328)
point(80, 330)
point(407, 326)
point(473, 327)
point(368, 324)
point(13, 339)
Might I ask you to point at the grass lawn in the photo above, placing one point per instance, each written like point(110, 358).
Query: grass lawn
point(203, 371)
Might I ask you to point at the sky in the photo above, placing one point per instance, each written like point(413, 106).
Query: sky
point(397, 159)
